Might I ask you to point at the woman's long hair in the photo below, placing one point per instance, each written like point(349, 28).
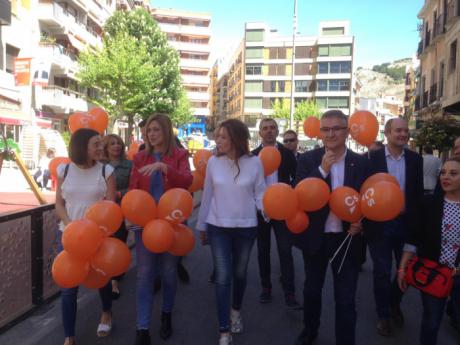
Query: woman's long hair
point(106, 141)
point(239, 138)
point(169, 141)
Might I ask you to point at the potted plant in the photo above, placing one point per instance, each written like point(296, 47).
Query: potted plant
point(7, 149)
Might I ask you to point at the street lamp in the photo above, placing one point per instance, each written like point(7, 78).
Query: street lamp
point(294, 31)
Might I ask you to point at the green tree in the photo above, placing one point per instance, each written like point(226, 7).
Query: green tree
point(135, 72)
point(182, 113)
point(281, 109)
point(439, 133)
point(303, 110)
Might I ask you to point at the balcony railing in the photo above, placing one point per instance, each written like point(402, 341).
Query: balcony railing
point(438, 27)
point(63, 98)
point(433, 93)
point(61, 56)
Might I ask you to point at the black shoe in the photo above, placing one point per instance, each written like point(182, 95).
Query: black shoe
point(306, 338)
point(265, 296)
point(166, 326)
point(384, 327)
point(183, 274)
point(142, 337)
point(291, 302)
point(156, 285)
point(397, 316)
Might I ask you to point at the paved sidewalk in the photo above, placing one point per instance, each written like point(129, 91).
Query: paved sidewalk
point(195, 320)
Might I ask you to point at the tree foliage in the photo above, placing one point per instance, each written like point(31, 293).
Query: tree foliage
point(135, 72)
point(395, 73)
point(182, 113)
point(439, 133)
point(305, 109)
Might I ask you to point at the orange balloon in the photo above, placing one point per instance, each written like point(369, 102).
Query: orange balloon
point(135, 145)
point(312, 193)
point(344, 203)
point(68, 271)
point(131, 153)
point(311, 127)
point(158, 236)
point(107, 214)
point(270, 158)
point(95, 279)
point(184, 241)
point(55, 162)
point(280, 201)
point(382, 201)
point(82, 238)
point(377, 178)
point(175, 206)
point(364, 127)
point(99, 119)
point(200, 160)
point(197, 183)
point(298, 223)
point(138, 207)
point(79, 120)
point(112, 258)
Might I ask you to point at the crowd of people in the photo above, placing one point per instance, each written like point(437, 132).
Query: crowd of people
point(231, 220)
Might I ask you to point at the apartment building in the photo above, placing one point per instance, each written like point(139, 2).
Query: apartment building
point(190, 33)
point(438, 87)
point(38, 66)
point(261, 70)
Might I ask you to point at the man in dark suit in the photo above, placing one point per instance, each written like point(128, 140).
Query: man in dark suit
point(268, 131)
point(338, 166)
point(386, 239)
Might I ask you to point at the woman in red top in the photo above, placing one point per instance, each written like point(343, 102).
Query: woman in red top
point(161, 166)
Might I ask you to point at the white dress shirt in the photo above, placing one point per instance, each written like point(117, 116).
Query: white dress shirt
point(333, 223)
point(397, 167)
point(431, 169)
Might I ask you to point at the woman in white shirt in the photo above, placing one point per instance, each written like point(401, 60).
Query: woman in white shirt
point(233, 192)
point(81, 183)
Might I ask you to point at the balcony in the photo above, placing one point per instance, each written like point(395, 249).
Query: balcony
point(438, 27)
point(201, 111)
point(7, 86)
point(59, 56)
point(195, 79)
point(186, 29)
point(190, 46)
point(61, 21)
point(195, 96)
point(452, 12)
point(194, 63)
point(62, 100)
point(433, 93)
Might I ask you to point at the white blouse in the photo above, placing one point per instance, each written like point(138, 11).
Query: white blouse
point(231, 202)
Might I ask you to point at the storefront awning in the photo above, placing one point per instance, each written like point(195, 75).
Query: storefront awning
point(12, 117)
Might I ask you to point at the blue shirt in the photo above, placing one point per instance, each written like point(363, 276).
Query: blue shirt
point(156, 181)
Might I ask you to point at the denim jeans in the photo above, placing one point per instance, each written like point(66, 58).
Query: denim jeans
point(433, 310)
point(284, 242)
point(149, 266)
point(345, 284)
point(386, 290)
point(231, 249)
point(69, 299)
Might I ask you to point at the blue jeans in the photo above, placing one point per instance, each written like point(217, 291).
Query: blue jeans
point(149, 266)
point(284, 242)
point(231, 249)
point(69, 299)
point(433, 310)
point(345, 284)
point(386, 290)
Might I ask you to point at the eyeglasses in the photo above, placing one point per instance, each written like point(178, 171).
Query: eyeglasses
point(333, 129)
point(293, 140)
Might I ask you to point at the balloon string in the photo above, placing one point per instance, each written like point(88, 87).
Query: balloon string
point(345, 255)
point(340, 247)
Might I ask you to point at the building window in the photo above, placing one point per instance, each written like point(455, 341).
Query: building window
point(302, 52)
point(339, 85)
point(333, 31)
point(301, 86)
point(441, 79)
point(273, 86)
point(255, 103)
point(281, 86)
point(321, 102)
point(254, 53)
point(453, 56)
point(340, 67)
point(11, 54)
point(253, 86)
point(321, 85)
point(253, 70)
point(323, 68)
point(335, 50)
point(254, 36)
point(337, 102)
point(302, 69)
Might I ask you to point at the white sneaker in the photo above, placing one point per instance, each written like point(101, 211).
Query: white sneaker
point(236, 321)
point(225, 339)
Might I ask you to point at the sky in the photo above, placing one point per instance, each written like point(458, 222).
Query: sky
point(384, 30)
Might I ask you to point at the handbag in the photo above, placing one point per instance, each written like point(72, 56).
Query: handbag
point(429, 276)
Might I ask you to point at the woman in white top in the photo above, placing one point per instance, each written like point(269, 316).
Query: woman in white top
point(233, 192)
point(81, 183)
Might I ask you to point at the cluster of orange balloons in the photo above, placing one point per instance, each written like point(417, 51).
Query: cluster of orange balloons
point(270, 158)
point(163, 231)
point(380, 199)
point(97, 119)
point(200, 162)
point(364, 127)
point(90, 257)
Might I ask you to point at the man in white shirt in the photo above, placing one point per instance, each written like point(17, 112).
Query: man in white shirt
point(337, 166)
point(431, 169)
point(268, 131)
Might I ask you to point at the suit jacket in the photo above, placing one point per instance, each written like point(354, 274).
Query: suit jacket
point(356, 171)
point(413, 192)
point(287, 168)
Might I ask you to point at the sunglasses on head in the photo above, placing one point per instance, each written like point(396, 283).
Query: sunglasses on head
point(289, 140)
